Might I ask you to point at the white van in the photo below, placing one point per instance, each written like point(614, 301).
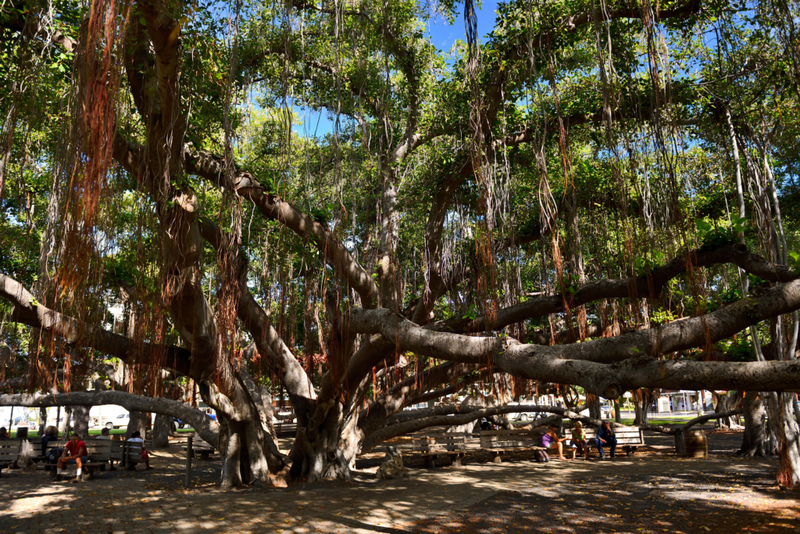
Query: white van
point(109, 416)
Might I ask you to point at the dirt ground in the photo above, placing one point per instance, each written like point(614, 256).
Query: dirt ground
point(652, 491)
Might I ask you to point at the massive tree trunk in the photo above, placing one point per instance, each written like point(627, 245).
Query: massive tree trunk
point(755, 440)
point(248, 446)
point(80, 416)
point(789, 443)
point(327, 444)
point(162, 428)
point(642, 398)
point(138, 423)
point(725, 402)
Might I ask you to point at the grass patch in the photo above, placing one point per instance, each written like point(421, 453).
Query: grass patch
point(664, 421)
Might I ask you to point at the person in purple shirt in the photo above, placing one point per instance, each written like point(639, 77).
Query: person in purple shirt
point(551, 441)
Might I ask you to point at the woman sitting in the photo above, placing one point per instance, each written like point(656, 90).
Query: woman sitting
point(551, 441)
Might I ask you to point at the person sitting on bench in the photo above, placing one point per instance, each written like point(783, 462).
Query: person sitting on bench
point(136, 437)
point(74, 453)
point(606, 437)
point(550, 440)
point(580, 445)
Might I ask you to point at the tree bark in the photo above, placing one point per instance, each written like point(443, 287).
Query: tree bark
point(138, 423)
point(162, 428)
point(727, 403)
point(755, 440)
point(789, 443)
point(80, 416)
point(641, 405)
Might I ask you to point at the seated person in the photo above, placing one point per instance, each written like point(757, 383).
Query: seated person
point(136, 437)
point(579, 441)
point(3, 433)
point(104, 434)
point(551, 441)
point(74, 453)
point(50, 434)
point(606, 437)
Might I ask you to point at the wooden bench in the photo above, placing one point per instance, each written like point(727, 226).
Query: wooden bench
point(498, 442)
point(628, 437)
point(102, 455)
point(22, 452)
point(127, 453)
point(431, 446)
point(284, 428)
point(99, 456)
point(9, 452)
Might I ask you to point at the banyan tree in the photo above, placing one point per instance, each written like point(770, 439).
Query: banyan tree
point(311, 200)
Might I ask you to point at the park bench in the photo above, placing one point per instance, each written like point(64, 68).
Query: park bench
point(285, 428)
point(99, 456)
point(102, 455)
point(497, 442)
point(127, 453)
point(9, 451)
point(430, 446)
point(20, 451)
point(628, 437)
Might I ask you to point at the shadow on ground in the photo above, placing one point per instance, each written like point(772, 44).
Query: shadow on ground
point(652, 492)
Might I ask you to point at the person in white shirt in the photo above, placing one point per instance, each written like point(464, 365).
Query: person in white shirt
point(136, 437)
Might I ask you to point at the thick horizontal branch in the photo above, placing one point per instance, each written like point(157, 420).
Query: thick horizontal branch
point(30, 312)
point(202, 423)
point(635, 353)
point(451, 415)
point(644, 286)
point(674, 429)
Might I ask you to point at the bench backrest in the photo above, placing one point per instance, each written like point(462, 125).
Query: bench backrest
point(629, 435)
point(36, 444)
point(9, 449)
point(99, 449)
point(499, 439)
point(54, 443)
point(120, 448)
point(455, 441)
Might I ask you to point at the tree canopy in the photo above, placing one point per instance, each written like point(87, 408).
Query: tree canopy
point(597, 193)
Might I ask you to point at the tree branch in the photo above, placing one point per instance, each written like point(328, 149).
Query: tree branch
point(30, 312)
point(274, 207)
point(202, 423)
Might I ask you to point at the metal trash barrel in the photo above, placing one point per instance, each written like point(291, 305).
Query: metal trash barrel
point(695, 444)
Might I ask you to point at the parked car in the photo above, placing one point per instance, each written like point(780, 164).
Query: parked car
point(120, 421)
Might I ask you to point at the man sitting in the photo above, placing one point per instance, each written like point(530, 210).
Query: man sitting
point(606, 437)
point(74, 453)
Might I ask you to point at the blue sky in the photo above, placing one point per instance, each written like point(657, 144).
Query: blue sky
point(443, 35)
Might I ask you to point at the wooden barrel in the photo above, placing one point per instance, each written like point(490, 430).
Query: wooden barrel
point(695, 444)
